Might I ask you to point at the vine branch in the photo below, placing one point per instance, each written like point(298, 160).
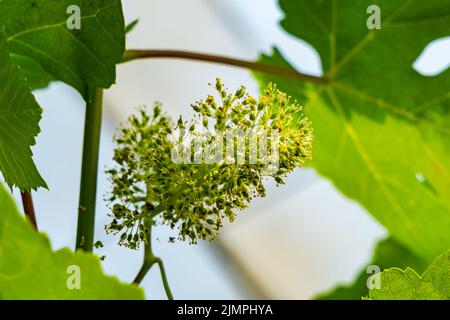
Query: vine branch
point(28, 207)
point(131, 55)
point(89, 170)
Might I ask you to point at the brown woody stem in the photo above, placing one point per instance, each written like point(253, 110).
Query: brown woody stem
point(28, 207)
point(187, 55)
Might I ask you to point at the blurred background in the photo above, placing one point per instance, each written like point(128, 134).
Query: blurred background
point(301, 240)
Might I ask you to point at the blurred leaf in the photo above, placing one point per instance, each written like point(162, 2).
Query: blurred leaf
point(397, 284)
point(19, 125)
point(388, 253)
point(84, 58)
point(382, 130)
point(29, 269)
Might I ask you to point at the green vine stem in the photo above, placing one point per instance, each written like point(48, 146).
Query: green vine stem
point(88, 187)
point(149, 260)
point(28, 207)
point(131, 55)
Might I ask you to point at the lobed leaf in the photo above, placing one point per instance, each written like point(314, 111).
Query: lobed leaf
point(29, 269)
point(37, 40)
point(84, 59)
point(382, 129)
point(387, 253)
point(19, 125)
point(397, 284)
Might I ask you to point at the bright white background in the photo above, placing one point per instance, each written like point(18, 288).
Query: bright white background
point(300, 240)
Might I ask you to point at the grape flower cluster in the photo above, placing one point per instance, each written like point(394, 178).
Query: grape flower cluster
point(196, 197)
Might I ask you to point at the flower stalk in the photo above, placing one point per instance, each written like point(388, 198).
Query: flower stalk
point(149, 260)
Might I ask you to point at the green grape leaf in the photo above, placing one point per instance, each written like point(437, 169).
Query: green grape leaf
point(29, 269)
point(83, 58)
point(387, 253)
point(382, 130)
point(398, 284)
point(35, 76)
point(19, 125)
point(40, 39)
